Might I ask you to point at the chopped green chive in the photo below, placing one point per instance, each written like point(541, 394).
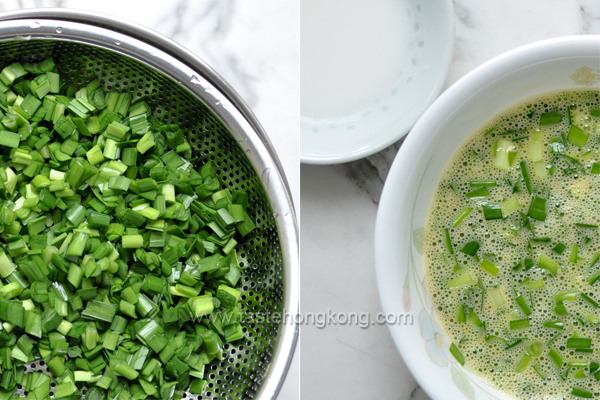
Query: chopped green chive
point(560, 308)
point(526, 177)
point(120, 258)
point(470, 248)
point(550, 118)
point(462, 214)
point(457, 354)
point(537, 208)
point(519, 324)
point(448, 241)
point(573, 257)
point(568, 295)
point(580, 225)
point(491, 212)
point(577, 136)
point(522, 363)
point(514, 344)
point(480, 192)
point(589, 300)
point(559, 248)
point(583, 393)
point(548, 264)
point(554, 324)
point(489, 267)
point(511, 205)
point(579, 343)
point(482, 182)
point(535, 285)
point(523, 305)
point(461, 280)
point(556, 358)
point(594, 278)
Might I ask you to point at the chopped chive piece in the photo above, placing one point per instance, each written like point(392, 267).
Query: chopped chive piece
point(579, 343)
point(540, 240)
point(9, 139)
point(448, 241)
point(473, 319)
point(580, 225)
point(519, 324)
point(589, 300)
point(560, 309)
point(568, 295)
point(548, 264)
point(535, 285)
point(577, 364)
point(462, 214)
point(470, 248)
point(559, 248)
point(492, 212)
point(573, 257)
point(504, 148)
point(523, 305)
point(556, 358)
point(132, 241)
point(119, 266)
point(577, 136)
point(583, 393)
point(457, 354)
point(482, 182)
point(522, 363)
point(511, 205)
point(461, 280)
point(489, 267)
point(594, 278)
point(514, 344)
point(550, 118)
point(145, 143)
point(526, 177)
point(492, 129)
point(537, 208)
point(461, 314)
point(534, 349)
point(100, 311)
point(536, 149)
point(539, 371)
point(554, 324)
point(480, 192)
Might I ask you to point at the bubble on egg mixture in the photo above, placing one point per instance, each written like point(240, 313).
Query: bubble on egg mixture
point(573, 195)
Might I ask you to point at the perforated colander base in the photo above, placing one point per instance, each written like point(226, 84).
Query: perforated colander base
point(244, 364)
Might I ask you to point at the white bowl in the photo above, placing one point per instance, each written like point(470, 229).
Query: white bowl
point(425, 53)
point(562, 63)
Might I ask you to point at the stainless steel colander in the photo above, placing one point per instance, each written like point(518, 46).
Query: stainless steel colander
point(184, 90)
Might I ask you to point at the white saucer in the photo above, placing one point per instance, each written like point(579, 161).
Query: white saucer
point(360, 127)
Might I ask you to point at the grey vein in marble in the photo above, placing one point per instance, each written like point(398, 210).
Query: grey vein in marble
point(589, 13)
point(370, 173)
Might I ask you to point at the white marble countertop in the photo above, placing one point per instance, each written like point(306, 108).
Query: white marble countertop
point(254, 45)
point(339, 208)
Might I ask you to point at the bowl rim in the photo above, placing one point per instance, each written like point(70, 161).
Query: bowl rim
point(236, 112)
point(444, 62)
point(417, 140)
